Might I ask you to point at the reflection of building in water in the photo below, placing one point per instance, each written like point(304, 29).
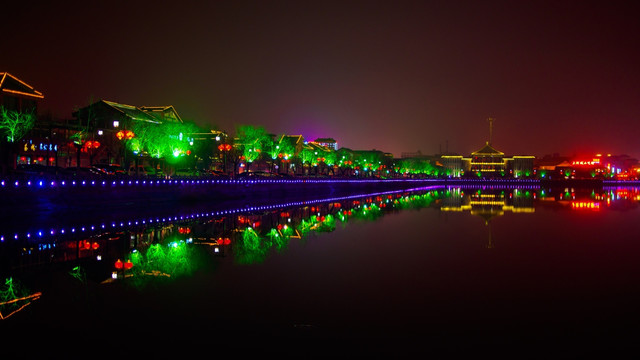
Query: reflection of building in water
point(491, 201)
point(489, 204)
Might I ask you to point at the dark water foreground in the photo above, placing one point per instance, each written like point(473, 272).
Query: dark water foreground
point(515, 273)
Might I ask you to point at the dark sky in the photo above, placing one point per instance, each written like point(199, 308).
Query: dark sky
point(558, 76)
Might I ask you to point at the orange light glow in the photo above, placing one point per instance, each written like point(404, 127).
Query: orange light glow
point(38, 95)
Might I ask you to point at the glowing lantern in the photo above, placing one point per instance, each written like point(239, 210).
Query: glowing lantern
point(119, 264)
point(125, 134)
point(128, 265)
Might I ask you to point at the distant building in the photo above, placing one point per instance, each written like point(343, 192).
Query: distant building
point(520, 165)
point(455, 165)
point(327, 142)
point(488, 162)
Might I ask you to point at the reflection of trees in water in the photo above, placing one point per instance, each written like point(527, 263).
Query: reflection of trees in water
point(163, 261)
point(14, 297)
point(162, 250)
point(257, 242)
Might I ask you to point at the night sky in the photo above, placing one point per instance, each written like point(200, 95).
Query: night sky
point(398, 76)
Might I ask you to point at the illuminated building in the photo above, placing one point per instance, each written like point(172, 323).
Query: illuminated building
point(520, 165)
point(327, 142)
point(455, 165)
point(488, 162)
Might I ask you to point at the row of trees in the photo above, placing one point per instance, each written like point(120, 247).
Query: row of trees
point(253, 148)
point(256, 147)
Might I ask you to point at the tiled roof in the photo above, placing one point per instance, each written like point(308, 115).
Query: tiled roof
point(487, 150)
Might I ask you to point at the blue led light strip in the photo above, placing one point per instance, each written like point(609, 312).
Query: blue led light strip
point(41, 234)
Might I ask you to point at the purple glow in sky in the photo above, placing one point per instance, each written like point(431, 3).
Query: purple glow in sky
point(558, 76)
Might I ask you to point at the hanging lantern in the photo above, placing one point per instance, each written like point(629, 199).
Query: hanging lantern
point(119, 264)
point(120, 135)
point(128, 265)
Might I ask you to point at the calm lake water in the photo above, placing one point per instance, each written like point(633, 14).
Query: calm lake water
point(447, 268)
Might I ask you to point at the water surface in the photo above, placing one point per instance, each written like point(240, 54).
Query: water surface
point(435, 267)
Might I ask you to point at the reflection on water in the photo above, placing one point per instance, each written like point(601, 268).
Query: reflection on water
point(144, 252)
point(164, 246)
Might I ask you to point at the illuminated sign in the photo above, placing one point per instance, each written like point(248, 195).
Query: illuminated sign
point(30, 146)
point(586, 162)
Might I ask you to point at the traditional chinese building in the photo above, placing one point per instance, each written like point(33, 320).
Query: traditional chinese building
point(17, 98)
point(488, 162)
point(108, 124)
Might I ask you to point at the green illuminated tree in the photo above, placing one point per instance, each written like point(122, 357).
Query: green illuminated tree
point(171, 141)
point(308, 158)
point(286, 153)
point(253, 140)
point(345, 161)
point(14, 125)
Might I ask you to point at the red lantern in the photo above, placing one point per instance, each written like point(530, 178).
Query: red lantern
point(221, 147)
point(227, 241)
point(128, 265)
point(119, 264)
point(227, 147)
point(129, 134)
point(96, 144)
point(96, 246)
point(120, 135)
